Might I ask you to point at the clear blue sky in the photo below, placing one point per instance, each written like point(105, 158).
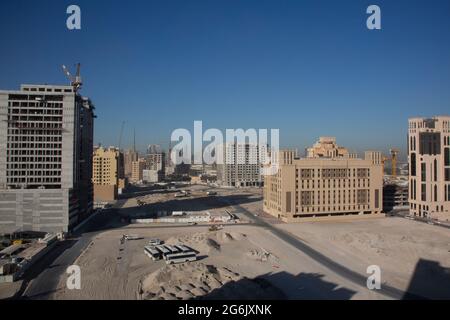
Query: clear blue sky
point(309, 68)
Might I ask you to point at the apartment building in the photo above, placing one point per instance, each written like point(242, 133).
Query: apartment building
point(129, 157)
point(242, 165)
point(46, 143)
point(137, 168)
point(107, 172)
point(155, 164)
point(324, 186)
point(429, 167)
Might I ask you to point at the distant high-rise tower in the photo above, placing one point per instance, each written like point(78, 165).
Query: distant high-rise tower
point(46, 143)
point(429, 167)
point(155, 162)
point(242, 164)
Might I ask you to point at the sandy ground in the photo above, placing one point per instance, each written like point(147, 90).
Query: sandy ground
point(411, 255)
point(239, 262)
point(8, 290)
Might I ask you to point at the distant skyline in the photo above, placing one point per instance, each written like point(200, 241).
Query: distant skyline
point(309, 68)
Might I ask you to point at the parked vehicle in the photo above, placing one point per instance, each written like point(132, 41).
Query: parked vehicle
point(181, 257)
point(131, 237)
point(155, 242)
point(180, 195)
point(153, 253)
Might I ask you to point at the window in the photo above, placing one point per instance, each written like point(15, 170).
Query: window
point(413, 164)
point(424, 192)
point(435, 169)
point(423, 168)
point(377, 195)
point(447, 157)
point(429, 143)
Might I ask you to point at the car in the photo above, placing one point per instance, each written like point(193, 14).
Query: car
point(155, 242)
point(131, 237)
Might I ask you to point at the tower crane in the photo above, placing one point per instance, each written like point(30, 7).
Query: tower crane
point(75, 82)
point(394, 155)
point(393, 159)
point(121, 134)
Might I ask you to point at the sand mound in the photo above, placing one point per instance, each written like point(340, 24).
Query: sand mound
point(198, 280)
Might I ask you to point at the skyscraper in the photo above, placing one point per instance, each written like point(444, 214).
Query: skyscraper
point(429, 167)
point(46, 138)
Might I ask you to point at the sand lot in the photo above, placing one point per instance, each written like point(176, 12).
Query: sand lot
point(239, 262)
point(411, 255)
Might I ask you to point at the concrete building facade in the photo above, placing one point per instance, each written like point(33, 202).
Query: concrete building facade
point(151, 176)
point(429, 167)
point(242, 165)
point(395, 196)
point(46, 143)
point(322, 187)
point(155, 163)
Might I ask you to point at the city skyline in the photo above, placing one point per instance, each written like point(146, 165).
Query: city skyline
point(245, 151)
point(309, 69)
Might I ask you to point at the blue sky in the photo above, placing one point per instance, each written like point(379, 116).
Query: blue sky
point(309, 68)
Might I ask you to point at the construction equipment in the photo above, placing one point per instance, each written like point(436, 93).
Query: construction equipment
point(394, 155)
point(121, 134)
point(393, 159)
point(75, 82)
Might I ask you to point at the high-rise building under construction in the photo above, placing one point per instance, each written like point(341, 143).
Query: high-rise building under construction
point(46, 143)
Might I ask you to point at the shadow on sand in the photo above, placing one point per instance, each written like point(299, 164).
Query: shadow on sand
point(429, 280)
point(301, 286)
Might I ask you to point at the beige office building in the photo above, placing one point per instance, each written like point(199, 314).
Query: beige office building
point(324, 185)
point(137, 168)
point(106, 172)
point(429, 167)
